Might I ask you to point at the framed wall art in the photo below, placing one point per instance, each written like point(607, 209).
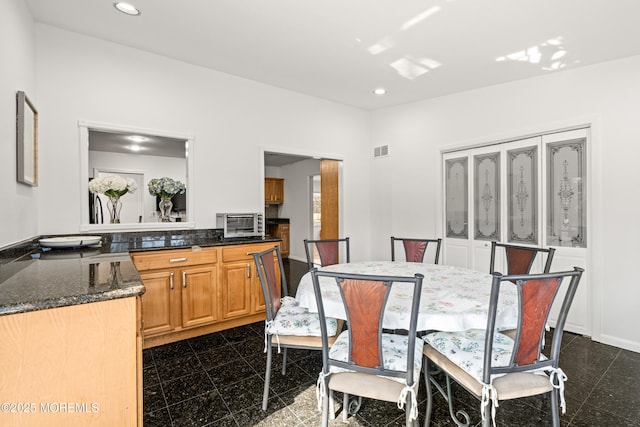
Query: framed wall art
point(26, 140)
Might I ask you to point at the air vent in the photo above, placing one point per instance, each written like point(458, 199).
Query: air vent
point(381, 151)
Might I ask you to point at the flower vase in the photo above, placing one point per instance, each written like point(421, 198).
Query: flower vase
point(115, 206)
point(165, 206)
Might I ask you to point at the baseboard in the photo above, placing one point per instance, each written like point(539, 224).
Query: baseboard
point(620, 342)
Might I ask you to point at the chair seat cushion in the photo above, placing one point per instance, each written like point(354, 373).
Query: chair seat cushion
point(292, 319)
point(394, 353)
point(466, 349)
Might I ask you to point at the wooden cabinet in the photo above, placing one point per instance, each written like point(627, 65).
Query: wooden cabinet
point(241, 289)
point(87, 356)
point(236, 286)
point(195, 292)
point(282, 232)
point(181, 291)
point(159, 302)
point(199, 296)
point(274, 190)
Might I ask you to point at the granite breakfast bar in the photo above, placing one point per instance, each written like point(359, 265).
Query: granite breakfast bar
point(71, 327)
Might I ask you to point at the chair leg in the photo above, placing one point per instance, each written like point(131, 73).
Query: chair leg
point(284, 361)
point(461, 417)
point(345, 407)
point(427, 414)
point(267, 376)
point(325, 405)
point(555, 413)
point(408, 421)
point(332, 406)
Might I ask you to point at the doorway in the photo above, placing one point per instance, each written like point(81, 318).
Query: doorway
point(298, 171)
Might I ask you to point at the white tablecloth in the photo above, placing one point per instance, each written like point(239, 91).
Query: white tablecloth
point(453, 298)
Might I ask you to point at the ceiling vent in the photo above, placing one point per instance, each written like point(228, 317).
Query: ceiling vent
point(381, 151)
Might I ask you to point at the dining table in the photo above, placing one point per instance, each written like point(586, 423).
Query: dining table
point(452, 299)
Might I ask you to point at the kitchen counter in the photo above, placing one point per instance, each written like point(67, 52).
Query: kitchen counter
point(276, 221)
point(35, 278)
point(58, 279)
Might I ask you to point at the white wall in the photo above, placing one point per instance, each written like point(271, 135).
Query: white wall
point(297, 206)
point(231, 118)
point(19, 213)
point(606, 95)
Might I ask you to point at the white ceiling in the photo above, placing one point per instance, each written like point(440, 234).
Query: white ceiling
point(341, 50)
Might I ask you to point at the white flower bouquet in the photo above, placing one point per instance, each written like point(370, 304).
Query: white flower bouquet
point(165, 187)
point(113, 186)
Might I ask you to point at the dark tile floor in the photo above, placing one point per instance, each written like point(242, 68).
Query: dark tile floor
point(217, 380)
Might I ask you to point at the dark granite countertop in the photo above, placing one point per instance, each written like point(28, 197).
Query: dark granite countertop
point(62, 278)
point(276, 221)
point(35, 278)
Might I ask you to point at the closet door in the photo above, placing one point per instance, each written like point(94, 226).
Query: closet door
point(456, 206)
point(529, 192)
point(487, 196)
point(565, 219)
point(505, 194)
point(523, 192)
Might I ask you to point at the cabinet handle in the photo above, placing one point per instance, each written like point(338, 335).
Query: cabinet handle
point(171, 280)
point(184, 279)
point(177, 260)
point(248, 270)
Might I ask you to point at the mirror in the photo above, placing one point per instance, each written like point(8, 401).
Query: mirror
point(27, 140)
point(138, 156)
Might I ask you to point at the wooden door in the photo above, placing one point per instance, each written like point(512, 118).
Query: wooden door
point(329, 209)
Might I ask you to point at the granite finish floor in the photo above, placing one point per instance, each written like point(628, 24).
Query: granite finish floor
point(217, 380)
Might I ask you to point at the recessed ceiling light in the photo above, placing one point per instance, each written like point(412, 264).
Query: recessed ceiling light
point(127, 8)
point(380, 91)
point(137, 138)
point(134, 147)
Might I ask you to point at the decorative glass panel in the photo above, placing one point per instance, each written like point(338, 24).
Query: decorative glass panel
point(457, 209)
point(487, 196)
point(523, 195)
point(567, 193)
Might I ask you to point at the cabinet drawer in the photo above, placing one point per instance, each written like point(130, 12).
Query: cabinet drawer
point(176, 258)
point(244, 252)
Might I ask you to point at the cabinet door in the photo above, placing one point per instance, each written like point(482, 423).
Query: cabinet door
point(278, 190)
point(268, 190)
point(158, 302)
point(236, 288)
point(283, 233)
point(199, 296)
point(258, 305)
point(273, 190)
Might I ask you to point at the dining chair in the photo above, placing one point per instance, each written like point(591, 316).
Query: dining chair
point(366, 361)
point(414, 249)
point(291, 325)
point(494, 367)
point(520, 258)
point(330, 251)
